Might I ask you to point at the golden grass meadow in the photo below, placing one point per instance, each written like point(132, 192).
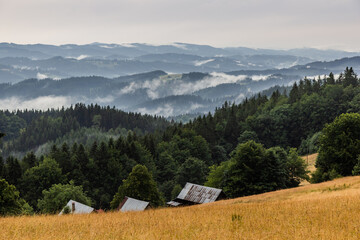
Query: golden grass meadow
point(329, 210)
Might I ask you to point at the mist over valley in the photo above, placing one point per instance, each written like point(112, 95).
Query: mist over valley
point(166, 80)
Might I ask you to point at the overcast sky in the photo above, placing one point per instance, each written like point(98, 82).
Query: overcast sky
point(279, 24)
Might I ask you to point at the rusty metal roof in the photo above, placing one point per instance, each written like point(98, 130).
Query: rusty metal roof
point(79, 208)
point(198, 194)
point(132, 204)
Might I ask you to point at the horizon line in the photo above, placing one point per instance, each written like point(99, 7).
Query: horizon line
point(128, 44)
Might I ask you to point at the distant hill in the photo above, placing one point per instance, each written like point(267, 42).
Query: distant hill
point(310, 69)
point(97, 50)
point(19, 62)
point(154, 92)
point(334, 66)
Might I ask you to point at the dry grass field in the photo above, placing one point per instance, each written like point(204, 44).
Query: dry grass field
point(329, 210)
point(310, 160)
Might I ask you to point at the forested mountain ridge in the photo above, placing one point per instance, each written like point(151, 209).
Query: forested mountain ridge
point(149, 92)
point(283, 120)
point(259, 133)
point(19, 62)
point(43, 51)
point(29, 129)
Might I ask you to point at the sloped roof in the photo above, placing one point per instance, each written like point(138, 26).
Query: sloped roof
point(79, 208)
point(132, 204)
point(198, 194)
point(173, 204)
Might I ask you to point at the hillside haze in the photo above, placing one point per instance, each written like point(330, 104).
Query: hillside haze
point(166, 80)
point(19, 62)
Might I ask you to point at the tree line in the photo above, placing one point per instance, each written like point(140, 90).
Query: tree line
point(28, 129)
point(244, 149)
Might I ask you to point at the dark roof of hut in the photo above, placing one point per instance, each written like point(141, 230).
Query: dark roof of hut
point(198, 194)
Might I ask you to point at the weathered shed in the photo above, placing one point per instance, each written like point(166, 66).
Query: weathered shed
point(132, 204)
point(197, 194)
point(77, 208)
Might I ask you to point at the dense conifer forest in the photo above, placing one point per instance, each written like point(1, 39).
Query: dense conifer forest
point(246, 148)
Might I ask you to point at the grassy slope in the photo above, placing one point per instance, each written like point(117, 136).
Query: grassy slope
point(329, 210)
point(310, 161)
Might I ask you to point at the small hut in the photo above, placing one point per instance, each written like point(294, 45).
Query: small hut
point(196, 194)
point(77, 208)
point(132, 204)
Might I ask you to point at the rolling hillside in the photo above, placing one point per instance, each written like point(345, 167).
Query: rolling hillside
point(329, 210)
point(19, 62)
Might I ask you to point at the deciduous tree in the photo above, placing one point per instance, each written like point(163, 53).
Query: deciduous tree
point(140, 185)
point(56, 197)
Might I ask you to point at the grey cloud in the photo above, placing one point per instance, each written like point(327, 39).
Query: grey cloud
point(48, 102)
point(131, 88)
point(41, 76)
point(157, 88)
point(41, 103)
point(212, 81)
point(169, 110)
point(255, 23)
point(166, 110)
